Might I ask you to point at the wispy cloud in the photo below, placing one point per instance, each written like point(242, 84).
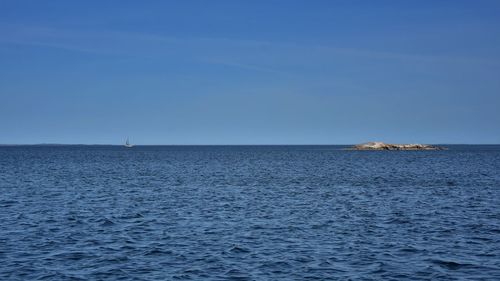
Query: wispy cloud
point(255, 55)
point(242, 65)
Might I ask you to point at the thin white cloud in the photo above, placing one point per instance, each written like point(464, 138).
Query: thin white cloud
point(207, 50)
point(242, 65)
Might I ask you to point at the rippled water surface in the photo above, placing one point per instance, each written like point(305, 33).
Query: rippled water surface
point(248, 213)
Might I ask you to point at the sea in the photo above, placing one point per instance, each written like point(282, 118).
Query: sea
point(249, 213)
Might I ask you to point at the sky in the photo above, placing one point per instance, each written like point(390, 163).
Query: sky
point(249, 72)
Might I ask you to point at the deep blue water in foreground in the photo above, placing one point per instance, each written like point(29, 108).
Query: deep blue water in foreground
point(248, 213)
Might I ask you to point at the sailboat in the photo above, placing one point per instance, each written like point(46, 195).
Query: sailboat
point(127, 144)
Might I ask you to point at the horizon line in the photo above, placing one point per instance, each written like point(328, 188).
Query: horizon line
point(242, 144)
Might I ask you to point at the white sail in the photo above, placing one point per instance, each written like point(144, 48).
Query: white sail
point(127, 143)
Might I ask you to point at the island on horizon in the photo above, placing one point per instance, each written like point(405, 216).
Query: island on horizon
point(386, 146)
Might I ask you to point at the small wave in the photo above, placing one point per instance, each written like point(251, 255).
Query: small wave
point(451, 183)
point(8, 203)
point(106, 222)
point(157, 252)
point(409, 250)
point(73, 256)
point(238, 249)
point(449, 264)
point(132, 216)
point(235, 274)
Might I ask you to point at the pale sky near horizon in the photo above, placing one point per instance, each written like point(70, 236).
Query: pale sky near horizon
point(249, 72)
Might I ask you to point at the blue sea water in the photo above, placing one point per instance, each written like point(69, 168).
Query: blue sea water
point(248, 213)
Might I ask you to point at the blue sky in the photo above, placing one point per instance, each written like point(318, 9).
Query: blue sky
point(249, 72)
